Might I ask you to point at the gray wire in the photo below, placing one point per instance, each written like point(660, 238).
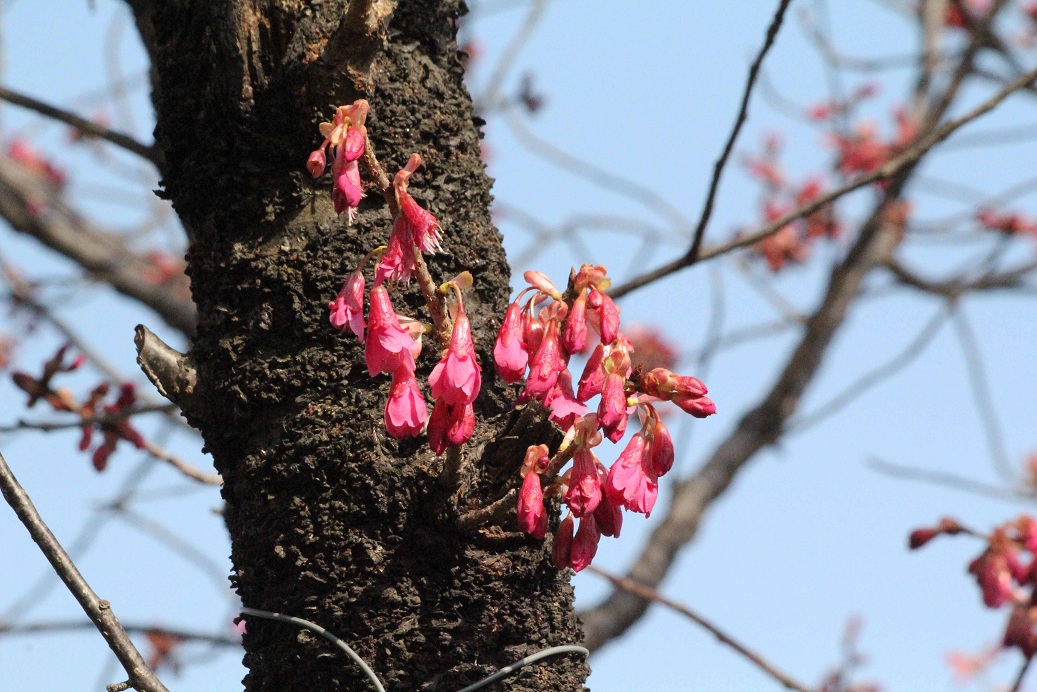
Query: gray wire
point(533, 658)
point(322, 632)
point(502, 673)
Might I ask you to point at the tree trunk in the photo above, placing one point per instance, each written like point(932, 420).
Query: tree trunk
point(330, 519)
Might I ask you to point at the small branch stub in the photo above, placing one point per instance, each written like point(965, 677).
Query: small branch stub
point(172, 372)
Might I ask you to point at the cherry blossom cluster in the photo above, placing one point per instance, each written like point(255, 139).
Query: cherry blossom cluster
point(1006, 572)
point(111, 420)
point(829, 110)
point(1010, 223)
point(864, 150)
point(393, 343)
point(541, 331)
point(791, 243)
point(22, 153)
point(26, 156)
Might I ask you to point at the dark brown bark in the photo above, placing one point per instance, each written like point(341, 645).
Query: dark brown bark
point(330, 519)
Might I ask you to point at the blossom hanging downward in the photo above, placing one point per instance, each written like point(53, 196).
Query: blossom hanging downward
point(346, 135)
point(388, 345)
point(412, 227)
point(405, 411)
point(348, 306)
point(455, 383)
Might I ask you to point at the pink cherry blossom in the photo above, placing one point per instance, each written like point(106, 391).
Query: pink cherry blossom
point(561, 550)
point(456, 379)
point(612, 409)
point(565, 408)
point(423, 225)
point(584, 492)
point(398, 262)
point(607, 313)
point(348, 306)
point(509, 354)
point(585, 543)
point(545, 365)
point(405, 411)
point(450, 426)
point(662, 449)
point(347, 190)
point(593, 378)
point(388, 345)
point(631, 480)
point(532, 517)
point(575, 336)
point(316, 163)
point(608, 514)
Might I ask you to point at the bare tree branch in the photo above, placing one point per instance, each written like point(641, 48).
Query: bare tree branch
point(643, 591)
point(873, 377)
point(25, 204)
point(984, 400)
point(61, 626)
point(886, 171)
point(87, 127)
point(743, 113)
point(99, 611)
point(950, 480)
point(953, 289)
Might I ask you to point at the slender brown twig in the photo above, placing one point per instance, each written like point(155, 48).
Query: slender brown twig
point(99, 611)
point(888, 170)
point(872, 377)
point(182, 466)
point(982, 397)
point(60, 626)
point(1018, 684)
point(651, 594)
point(743, 113)
point(950, 480)
point(85, 126)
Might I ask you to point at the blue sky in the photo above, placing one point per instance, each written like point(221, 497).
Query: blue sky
point(807, 537)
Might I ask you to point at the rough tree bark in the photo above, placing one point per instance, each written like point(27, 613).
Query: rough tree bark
point(330, 519)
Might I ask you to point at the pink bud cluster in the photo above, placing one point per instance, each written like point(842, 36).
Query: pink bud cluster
point(111, 419)
point(1010, 223)
point(113, 430)
point(392, 343)
point(538, 337)
point(792, 243)
point(346, 137)
point(864, 150)
point(1006, 572)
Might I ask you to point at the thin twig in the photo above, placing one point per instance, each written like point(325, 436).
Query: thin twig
point(886, 171)
point(99, 611)
point(488, 98)
point(104, 419)
point(85, 126)
point(651, 594)
point(982, 397)
point(872, 377)
point(950, 480)
point(603, 178)
point(182, 466)
point(496, 510)
point(1018, 684)
point(743, 113)
point(61, 626)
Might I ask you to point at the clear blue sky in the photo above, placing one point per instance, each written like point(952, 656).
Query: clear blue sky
point(807, 537)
